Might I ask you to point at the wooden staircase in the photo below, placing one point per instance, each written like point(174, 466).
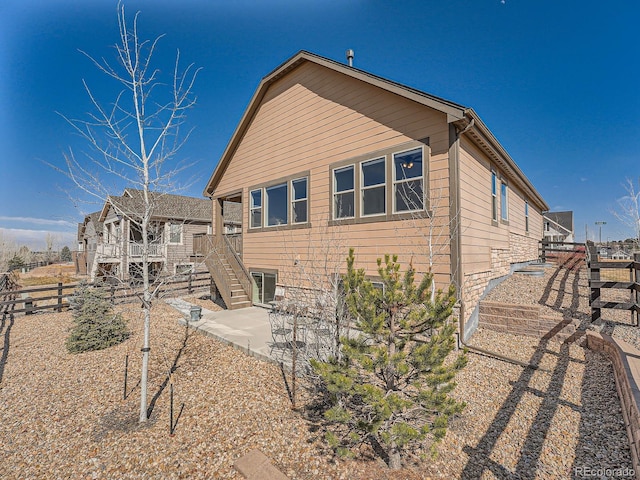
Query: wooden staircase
point(238, 298)
point(228, 272)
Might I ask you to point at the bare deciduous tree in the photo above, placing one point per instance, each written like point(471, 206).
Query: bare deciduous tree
point(629, 209)
point(49, 241)
point(8, 250)
point(134, 141)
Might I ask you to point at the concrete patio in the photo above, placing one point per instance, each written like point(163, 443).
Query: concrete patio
point(247, 329)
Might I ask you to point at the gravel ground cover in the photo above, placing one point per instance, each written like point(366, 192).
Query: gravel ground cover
point(64, 416)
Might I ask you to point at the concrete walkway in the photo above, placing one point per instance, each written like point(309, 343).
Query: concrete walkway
point(247, 329)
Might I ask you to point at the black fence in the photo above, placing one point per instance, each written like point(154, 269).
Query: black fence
point(31, 300)
point(618, 275)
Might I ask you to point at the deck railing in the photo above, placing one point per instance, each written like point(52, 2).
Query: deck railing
point(154, 249)
point(111, 250)
point(238, 267)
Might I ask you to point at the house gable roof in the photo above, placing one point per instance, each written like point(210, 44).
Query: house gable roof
point(561, 220)
point(465, 119)
point(90, 218)
point(164, 206)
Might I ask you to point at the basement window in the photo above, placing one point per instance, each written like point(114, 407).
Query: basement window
point(265, 286)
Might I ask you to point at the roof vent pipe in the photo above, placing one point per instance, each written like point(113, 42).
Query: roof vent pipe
point(350, 57)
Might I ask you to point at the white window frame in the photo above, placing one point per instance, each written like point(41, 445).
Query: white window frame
point(526, 216)
point(494, 196)
point(342, 192)
point(364, 188)
point(396, 182)
point(294, 201)
point(169, 225)
point(253, 208)
point(191, 266)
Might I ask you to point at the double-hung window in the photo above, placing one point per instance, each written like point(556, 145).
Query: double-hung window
point(373, 187)
point(255, 209)
point(494, 197)
point(175, 233)
point(276, 201)
point(408, 182)
point(299, 200)
point(504, 202)
point(344, 192)
point(526, 216)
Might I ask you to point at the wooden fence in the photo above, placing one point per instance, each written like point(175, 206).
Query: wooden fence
point(551, 251)
point(24, 301)
point(7, 294)
point(30, 266)
point(601, 277)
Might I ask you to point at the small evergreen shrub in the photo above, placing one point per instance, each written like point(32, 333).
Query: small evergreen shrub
point(391, 385)
point(95, 325)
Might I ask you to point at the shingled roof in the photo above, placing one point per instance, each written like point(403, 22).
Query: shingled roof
point(164, 206)
point(561, 220)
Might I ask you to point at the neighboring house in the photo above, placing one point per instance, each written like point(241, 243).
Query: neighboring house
point(89, 235)
point(327, 154)
point(112, 238)
point(558, 227)
point(619, 254)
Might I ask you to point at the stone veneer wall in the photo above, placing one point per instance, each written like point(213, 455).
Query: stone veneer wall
point(523, 320)
point(522, 249)
point(626, 368)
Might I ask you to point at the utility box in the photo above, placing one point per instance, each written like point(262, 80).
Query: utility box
point(196, 313)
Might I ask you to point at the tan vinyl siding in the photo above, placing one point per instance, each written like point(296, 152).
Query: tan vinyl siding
point(313, 118)
point(480, 233)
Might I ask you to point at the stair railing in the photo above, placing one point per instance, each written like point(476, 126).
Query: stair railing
point(238, 268)
point(214, 262)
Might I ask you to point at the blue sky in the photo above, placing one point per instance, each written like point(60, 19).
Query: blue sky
point(556, 82)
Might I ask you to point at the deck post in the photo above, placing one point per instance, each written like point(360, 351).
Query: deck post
point(59, 297)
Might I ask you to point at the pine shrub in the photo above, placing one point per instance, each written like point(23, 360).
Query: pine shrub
point(95, 325)
point(391, 385)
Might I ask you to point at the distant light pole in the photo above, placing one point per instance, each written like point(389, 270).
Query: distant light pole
point(600, 227)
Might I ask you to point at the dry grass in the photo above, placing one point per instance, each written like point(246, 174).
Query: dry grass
point(49, 275)
point(616, 274)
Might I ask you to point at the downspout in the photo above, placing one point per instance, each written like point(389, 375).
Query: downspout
point(461, 342)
